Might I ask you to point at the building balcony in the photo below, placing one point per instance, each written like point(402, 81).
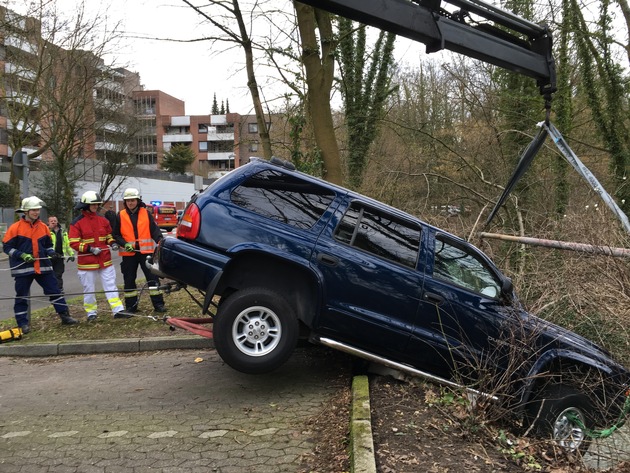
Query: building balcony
point(108, 146)
point(20, 71)
point(183, 138)
point(113, 127)
point(20, 43)
point(21, 98)
point(219, 136)
point(180, 121)
point(30, 127)
point(224, 156)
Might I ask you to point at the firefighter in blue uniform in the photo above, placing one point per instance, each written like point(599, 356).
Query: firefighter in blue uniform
point(30, 249)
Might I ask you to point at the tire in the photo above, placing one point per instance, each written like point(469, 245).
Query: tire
point(255, 330)
point(549, 412)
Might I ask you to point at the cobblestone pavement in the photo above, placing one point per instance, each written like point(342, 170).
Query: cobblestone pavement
point(161, 412)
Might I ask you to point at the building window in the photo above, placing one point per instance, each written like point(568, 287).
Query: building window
point(203, 146)
point(253, 147)
point(252, 127)
point(220, 146)
point(144, 106)
point(146, 159)
point(203, 128)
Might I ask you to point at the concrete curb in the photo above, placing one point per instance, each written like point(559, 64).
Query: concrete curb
point(86, 347)
point(362, 458)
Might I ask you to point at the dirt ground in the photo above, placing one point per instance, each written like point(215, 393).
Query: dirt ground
point(417, 428)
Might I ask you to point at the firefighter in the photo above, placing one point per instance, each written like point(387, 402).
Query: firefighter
point(29, 246)
point(61, 245)
point(90, 235)
point(137, 234)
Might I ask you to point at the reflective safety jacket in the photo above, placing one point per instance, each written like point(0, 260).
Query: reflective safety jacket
point(87, 231)
point(65, 242)
point(137, 228)
point(29, 237)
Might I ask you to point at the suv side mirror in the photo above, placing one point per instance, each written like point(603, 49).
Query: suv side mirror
point(507, 288)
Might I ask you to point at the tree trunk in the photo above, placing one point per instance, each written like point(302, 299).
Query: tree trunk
point(319, 80)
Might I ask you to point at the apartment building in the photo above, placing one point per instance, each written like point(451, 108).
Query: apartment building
point(18, 51)
point(84, 116)
point(110, 118)
point(220, 142)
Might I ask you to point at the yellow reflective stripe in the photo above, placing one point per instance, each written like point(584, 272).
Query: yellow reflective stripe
point(88, 240)
point(115, 302)
point(154, 292)
point(108, 263)
point(74, 240)
point(146, 245)
point(103, 238)
point(131, 293)
point(88, 266)
point(90, 307)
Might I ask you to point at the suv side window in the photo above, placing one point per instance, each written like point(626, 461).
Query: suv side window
point(463, 268)
point(284, 198)
point(380, 234)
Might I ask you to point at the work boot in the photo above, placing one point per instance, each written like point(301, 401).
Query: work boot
point(161, 309)
point(91, 317)
point(25, 329)
point(123, 314)
point(67, 320)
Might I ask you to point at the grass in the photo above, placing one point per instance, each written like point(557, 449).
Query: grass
point(46, 326)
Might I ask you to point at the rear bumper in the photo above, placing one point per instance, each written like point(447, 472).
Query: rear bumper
point(186, 262)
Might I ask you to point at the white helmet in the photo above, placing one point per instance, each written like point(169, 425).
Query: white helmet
point(31, 203)
point(131, 193)
point(91, 197)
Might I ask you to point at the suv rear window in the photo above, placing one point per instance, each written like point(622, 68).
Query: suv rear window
point(284, 198)
point(380, 234)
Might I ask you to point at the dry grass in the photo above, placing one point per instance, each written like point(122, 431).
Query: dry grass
point(46, 326)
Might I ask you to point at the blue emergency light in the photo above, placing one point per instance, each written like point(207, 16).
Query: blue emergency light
point(156, 202)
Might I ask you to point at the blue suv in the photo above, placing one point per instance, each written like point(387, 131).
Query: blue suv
point(290, 255)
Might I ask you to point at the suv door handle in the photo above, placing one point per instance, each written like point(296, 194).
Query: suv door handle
point(327, 259)
point(433, 297)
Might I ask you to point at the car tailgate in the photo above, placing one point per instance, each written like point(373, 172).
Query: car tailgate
point(186, 262)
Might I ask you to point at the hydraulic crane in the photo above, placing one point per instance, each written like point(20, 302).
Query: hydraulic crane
point(478, 30)
point(485, 32)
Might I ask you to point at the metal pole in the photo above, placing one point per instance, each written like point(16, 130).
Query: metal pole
point(561, 245)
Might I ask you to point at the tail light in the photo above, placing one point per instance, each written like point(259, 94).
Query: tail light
point(190, 223)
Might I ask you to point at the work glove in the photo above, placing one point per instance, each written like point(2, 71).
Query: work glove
point(115, 247)
point(55, 256)
point(27, 258)
point(129, 247)
point(95, 251)
point(70, 258)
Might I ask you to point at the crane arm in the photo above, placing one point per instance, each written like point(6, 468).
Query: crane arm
point(502, 38)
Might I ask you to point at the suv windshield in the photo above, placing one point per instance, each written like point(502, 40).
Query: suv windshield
point(463, 268)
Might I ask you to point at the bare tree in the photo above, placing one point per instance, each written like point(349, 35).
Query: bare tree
point(232, 27)
point(70, 102)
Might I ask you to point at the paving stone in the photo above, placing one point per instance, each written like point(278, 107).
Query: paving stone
point(160, 412)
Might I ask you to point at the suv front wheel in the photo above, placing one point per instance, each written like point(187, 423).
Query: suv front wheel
point(564, 414)
point(255, 330)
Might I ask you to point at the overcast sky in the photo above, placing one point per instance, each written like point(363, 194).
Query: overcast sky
point(191, 72)
point(188, 71)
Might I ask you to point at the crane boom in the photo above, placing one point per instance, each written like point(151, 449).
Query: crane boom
point(503, 39)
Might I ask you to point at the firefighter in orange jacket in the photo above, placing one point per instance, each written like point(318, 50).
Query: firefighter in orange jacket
point(90, 234)
point(137, 233)
point(29, 246)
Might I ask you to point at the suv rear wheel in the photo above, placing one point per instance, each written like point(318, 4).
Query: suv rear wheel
point(256, 330)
